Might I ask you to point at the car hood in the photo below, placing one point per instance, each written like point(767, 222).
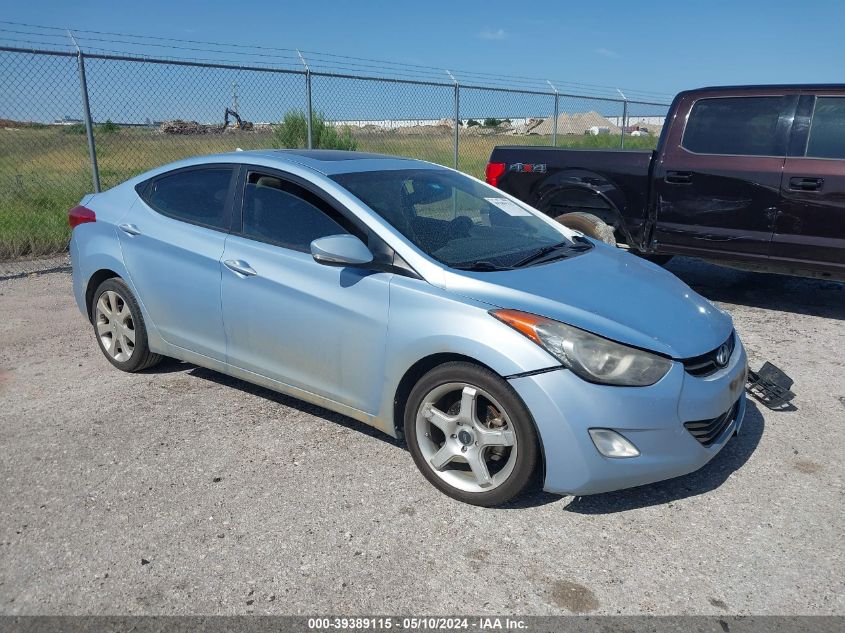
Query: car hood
point(608, 292)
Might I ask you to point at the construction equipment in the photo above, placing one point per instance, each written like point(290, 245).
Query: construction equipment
point(242, 125)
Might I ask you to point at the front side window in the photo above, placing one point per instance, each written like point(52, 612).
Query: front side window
point(744, 126)
point(452, 218)
point(285, 214)
point(198, 196)
point(827, 131)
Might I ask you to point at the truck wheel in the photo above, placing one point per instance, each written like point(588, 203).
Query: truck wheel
point(589, 225)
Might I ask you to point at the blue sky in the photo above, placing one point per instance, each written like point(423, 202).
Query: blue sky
point(651, 46)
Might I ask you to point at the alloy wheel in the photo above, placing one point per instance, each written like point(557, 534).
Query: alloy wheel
point(115, 326)
point(466, 437)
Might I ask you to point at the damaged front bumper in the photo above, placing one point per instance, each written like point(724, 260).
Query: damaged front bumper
point(652, 418)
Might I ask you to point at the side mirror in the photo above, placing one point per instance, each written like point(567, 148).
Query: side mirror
point(340, 250)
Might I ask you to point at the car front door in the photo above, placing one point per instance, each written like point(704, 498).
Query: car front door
point(718, 178)
point(172, 239)
point(315, 327)
point(810, 227)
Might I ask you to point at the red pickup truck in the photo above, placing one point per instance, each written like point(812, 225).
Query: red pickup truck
point(749, 176)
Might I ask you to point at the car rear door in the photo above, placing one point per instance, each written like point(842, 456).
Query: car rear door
point(315, 327)
point(717, 180)
point(810, 227)
point(172, 239)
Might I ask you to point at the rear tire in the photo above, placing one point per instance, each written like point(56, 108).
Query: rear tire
point(471, 435)
point(119, 327)
point(590, 225)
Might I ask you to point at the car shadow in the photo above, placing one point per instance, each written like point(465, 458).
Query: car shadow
point(814, 297)
point(169, 365)
point(708, 478)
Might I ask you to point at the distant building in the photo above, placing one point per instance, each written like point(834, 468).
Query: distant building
point(66, 120)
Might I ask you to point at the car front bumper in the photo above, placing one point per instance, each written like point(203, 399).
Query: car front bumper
point(565, 407)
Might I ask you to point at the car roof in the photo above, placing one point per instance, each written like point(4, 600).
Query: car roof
point(330, 162)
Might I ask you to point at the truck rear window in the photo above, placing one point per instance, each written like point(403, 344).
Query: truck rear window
point(827, 133)
point(745, 126)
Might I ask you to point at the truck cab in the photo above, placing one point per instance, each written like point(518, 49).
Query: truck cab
point(750, 176)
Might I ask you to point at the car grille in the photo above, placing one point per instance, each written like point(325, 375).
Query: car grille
point(705, 364)
point(708, 431)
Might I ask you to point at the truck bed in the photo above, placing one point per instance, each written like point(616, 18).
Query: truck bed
point(537, 175)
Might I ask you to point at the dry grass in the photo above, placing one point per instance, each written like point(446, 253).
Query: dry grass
point(45, 171)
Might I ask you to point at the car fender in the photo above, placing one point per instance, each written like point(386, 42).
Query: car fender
point(419, 331)
point(95, 247)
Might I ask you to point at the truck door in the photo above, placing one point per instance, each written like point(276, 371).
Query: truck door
point(810, 227)
point(717, 182)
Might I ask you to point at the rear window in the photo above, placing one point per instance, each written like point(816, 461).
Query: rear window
point(197, 196)
point(744, 126)
point(827, 131)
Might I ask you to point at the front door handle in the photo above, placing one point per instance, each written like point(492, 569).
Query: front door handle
point(805, 183)
point(240, 267)
point(678, 177)
point(129, 229)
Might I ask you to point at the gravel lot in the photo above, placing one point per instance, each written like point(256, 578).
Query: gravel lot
point(180, 491)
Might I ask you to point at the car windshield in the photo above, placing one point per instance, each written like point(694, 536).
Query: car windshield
point(456, 220)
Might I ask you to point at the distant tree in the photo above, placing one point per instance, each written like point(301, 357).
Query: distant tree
point(472, 123)
point(292, 132)
point(491, 122)
point(108, 127)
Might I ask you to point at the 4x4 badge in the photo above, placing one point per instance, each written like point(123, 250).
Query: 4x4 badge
point(528, 168)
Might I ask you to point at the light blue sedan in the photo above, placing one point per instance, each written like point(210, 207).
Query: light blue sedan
point(499, 344)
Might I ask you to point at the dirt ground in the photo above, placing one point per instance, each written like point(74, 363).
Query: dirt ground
point(180, 490)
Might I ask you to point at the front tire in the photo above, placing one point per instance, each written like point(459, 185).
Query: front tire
point(119, 327)
point(471, 435)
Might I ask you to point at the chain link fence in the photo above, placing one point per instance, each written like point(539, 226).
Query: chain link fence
point(70, 123)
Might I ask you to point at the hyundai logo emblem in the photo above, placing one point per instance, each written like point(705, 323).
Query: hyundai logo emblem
point(723, 355)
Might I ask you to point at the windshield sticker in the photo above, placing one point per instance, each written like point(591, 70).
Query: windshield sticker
point(508, 206)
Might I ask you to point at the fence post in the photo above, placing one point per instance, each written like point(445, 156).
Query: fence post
point(624, 121)
point(86, 113)
point(457, 117)
point(624, 118)
point(309, 113)
point(557, 113)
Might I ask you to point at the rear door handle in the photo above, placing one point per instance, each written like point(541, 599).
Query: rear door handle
point(129, 229)
point(240, 267)
point(805, 183)
point(678, 177)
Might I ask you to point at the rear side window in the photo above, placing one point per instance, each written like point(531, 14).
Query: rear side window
point(282, 213)
point(197, 196)
point(744, 126)
point(827, 131)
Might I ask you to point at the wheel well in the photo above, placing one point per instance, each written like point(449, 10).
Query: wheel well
point(93, 283)
point(422, 367)
point(412, 376)
point(586, 201)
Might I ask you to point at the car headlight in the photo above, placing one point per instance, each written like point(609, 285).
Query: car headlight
point(589, 356)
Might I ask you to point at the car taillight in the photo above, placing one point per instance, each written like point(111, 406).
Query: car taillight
point(80, 215)
point(494, 172)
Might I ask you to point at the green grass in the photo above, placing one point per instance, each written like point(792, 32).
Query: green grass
point(44, 171)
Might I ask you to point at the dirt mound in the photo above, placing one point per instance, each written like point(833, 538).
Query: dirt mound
point(11, 123)
point(577, 123)
point(178, 126)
